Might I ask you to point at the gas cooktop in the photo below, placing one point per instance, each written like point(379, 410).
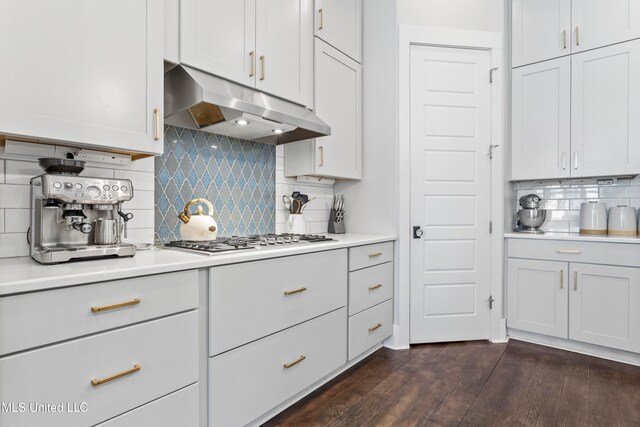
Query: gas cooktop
point(236, 243)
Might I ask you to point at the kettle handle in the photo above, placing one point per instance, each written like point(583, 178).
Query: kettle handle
point(185, 215)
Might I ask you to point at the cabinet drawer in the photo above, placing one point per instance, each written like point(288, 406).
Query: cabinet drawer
point(247, 382)
point(370, 286)
point(370, 327)
point(366, 256)
point(177, 409)
point(30, 320)
point(166, 350)
point(251, 300)
point(625, 254)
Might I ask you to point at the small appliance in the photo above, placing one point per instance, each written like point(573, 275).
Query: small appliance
point(593, 218)
point(77, 217)
point(530, 218)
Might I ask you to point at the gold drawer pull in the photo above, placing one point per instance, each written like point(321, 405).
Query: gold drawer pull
point(134, 301)
point(252, 55)
point(295, 291)
point(561, 278)
point(375, 254)
point(374, 287)
point(295, 362)
point(156, 134)
point(569, 251)
point(95, 382)
point(373, 328)
point(261, 67)
point(575, 280)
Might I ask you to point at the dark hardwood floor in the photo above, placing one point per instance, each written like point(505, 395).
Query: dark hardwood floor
point(474, 384)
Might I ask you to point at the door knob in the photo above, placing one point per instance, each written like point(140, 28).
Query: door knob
point(417, 232)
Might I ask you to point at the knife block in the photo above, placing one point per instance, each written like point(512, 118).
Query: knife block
point(336, 226)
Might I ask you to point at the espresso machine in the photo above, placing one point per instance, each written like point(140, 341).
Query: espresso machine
point(76, 217)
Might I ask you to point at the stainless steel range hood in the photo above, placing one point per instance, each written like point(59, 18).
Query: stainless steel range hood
point(197, 100)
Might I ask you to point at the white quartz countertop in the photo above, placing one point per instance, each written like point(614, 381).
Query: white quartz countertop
point(573, 237)
point(18, 275)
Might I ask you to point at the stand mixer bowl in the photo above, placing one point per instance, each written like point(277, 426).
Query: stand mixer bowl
point(532, 219)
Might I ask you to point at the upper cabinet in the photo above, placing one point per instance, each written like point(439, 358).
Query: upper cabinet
point(575, 116)
point(339, 23)
point(597, 23)
point(86, 73)
point(546, 29)
point(265, 44)
point(338, 101)
point(541, 29)
point(540, 120)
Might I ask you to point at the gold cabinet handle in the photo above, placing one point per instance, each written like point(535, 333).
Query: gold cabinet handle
point(295, 291)
point(373, 328)
point(575, 160)
point(375, 254)
point(252, 55)
point(374, 287)
point(561, 278)
point(569, 251)
point(295, 362)
point(321, 148)
point(261, 67)
point(564, 39)
point(134, 301)
point(156, 135)
point(577, 36)
point(575, 280)
point(95, 382)
point(321, 13)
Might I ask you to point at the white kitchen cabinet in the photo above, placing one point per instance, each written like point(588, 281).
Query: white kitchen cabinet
point(284, 46)
point(86, 73)
point(266, 44)
point(541, 30)
point(605, 306)
point(541, 120)
point(597, 23)
point(339, 23)
point(219, 36)
point(338, 101)
point(605, 106)
point(537, 296)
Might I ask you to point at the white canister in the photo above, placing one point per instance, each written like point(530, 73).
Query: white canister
point(593, 218)
point(622, 221)
point(296, 224)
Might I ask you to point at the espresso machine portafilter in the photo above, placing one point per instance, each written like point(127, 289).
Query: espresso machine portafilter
point(76, 217)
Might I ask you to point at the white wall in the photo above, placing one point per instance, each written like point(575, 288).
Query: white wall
point(15, 198)
point(481, 15)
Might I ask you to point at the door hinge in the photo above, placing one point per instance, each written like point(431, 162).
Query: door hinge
point(491, 300)
point(491, 147)
point(490, 227)
point(491, 71)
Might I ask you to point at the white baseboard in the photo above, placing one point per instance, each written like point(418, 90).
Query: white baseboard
point(393, 342)
point(577, 347)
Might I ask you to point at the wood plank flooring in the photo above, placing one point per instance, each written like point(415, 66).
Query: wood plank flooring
point(474, 384)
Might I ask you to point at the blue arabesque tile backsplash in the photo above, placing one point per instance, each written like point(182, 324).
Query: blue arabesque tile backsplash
point(236, 176)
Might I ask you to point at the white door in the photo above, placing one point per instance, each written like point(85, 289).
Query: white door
point(598, 23)
point(219, 37)
point(450, 192)
point(339, 23)
point(89, 73)
point(605, 106)
point(541, 120)
point(541, 30)
point(538, 296)
point(284, 49)
point(338, 100)
point(605, 306)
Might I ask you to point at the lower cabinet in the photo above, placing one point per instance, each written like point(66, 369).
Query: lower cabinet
point(110, 373)
point(177, 409)
point(369, 328)
point(249, 381)
point(592, 303)
point(537, 298)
